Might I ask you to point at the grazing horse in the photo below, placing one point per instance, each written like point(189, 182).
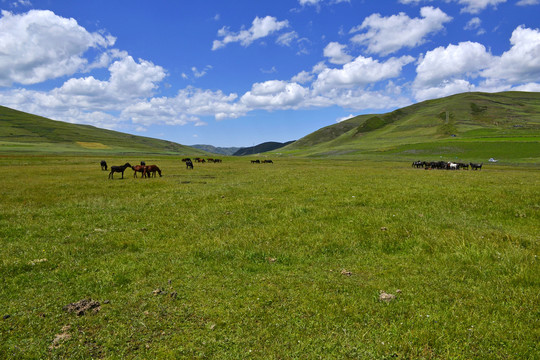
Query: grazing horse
point(476, 166)
point(138, 168)
point(119, 169)
point(217, 160)
point(255, 161)
point(143, 163)
point(268, 162)
point(103, 165)
point(151, 169)
point(186, 159)
point(189, 164)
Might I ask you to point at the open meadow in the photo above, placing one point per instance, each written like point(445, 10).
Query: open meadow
point(268, 261)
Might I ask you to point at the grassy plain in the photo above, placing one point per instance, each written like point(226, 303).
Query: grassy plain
point(269, 261)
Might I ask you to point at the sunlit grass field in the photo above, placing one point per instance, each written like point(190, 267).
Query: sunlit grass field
point(268, 261)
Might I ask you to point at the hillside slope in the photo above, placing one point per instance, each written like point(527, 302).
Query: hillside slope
point(472, 125)
point(264, 147)
point(20, 131)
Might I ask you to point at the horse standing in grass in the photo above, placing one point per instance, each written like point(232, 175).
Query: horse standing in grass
point(189, 164)
point(119, 169)
point(138, 168)
point(151, 169)
point(103, 165)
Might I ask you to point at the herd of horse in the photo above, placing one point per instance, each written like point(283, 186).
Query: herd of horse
point(146, 171)
point(446, 165)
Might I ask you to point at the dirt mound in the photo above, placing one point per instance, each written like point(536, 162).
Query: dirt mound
point(82, 306)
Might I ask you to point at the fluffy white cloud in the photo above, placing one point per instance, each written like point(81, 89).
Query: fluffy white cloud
point(521, 63)
point(386, 35)
point(302, 77)
point(444, 88)
point(336, 53)
point(260, 28)
point(185, 107)
point(528, 2)
point(360, 72)
point(78, 98)
point(454, 69)
point(441, 64)
point(39, 45)
point(274, 94)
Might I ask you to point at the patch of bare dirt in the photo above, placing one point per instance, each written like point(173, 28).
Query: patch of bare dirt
point(60, 338)
point(83, 306)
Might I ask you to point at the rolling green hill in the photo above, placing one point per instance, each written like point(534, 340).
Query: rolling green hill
point(23, 132)
point(471, 126)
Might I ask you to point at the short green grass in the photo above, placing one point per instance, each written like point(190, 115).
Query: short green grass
point(249, 260)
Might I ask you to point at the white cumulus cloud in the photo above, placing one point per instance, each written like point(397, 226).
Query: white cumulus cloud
point(444, 63)
point(274, 94)
point(336, 53)
point(260, 28)
point(360, 72)
point(522, 62)
point(38, 45)
point(386, 35)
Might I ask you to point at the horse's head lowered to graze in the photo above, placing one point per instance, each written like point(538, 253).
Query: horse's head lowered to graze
point(151, 169)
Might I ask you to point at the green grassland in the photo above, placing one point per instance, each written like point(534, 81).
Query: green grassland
point(470, 126)
point(270, 261)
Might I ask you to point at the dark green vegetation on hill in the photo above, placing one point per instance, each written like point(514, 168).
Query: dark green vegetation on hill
point(286, 261)
point(23, 132)
point(264, 147)
point(471, 126)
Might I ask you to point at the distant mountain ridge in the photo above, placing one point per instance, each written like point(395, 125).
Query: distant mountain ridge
point(217, 150)
point(264, 147)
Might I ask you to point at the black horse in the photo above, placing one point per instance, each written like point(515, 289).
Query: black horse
point(476, 166)
point(103, 165)
point(119, 169)
point(189, 164)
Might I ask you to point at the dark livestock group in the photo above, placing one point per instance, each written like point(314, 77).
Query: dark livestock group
point(148, 171)
point(446, 165)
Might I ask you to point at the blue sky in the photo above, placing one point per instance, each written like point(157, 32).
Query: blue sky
point(238, 73)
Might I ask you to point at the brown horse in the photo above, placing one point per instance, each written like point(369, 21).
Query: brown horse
point(138, 168)
point(151, 169)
